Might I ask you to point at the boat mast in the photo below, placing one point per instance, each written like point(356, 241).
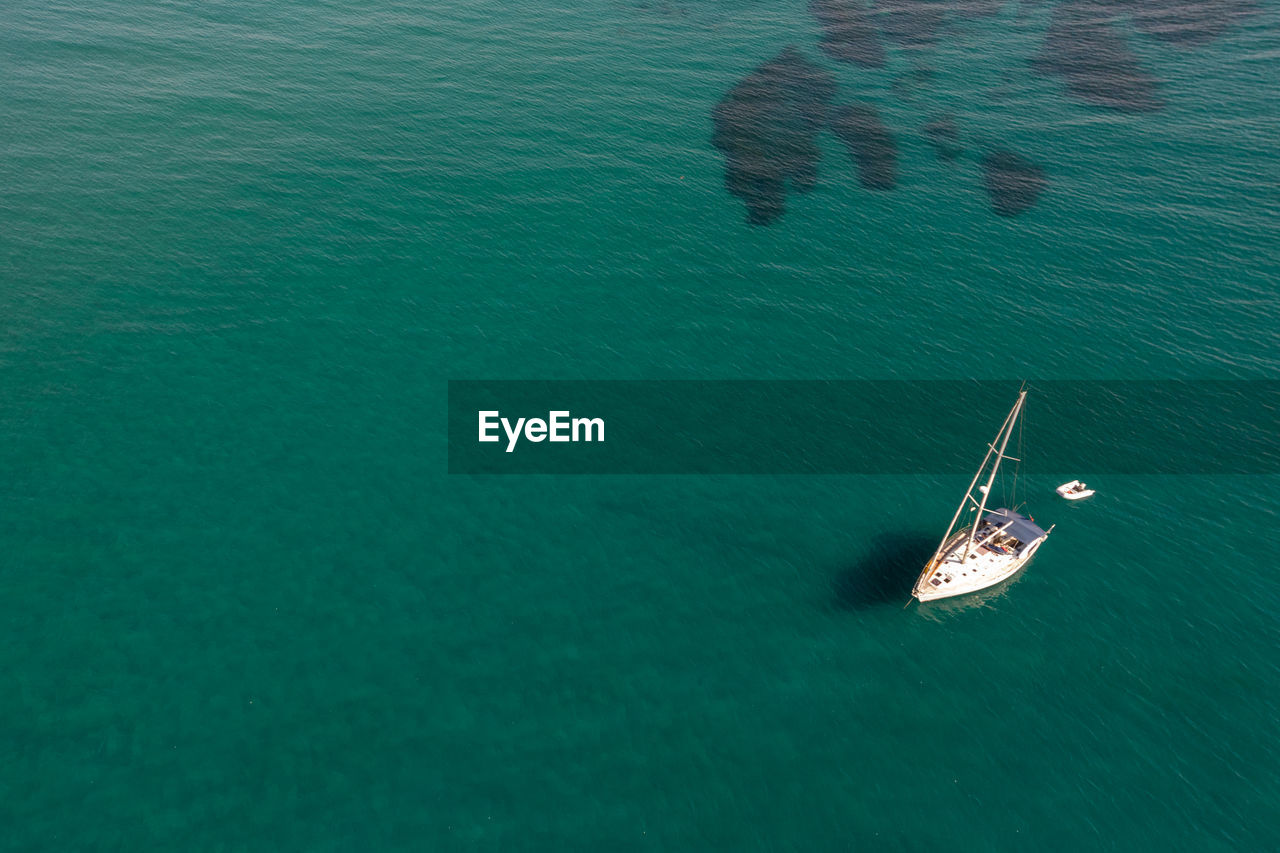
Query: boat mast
point(968, 493)
point(1007, 431)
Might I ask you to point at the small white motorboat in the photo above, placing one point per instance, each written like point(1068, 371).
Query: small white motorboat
point(1074, 491)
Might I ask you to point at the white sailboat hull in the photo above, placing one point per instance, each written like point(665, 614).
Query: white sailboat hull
point(995, 545)
point(949, 575)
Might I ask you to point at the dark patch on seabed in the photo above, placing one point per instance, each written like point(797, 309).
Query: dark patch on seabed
point(917, 23)
point(911, 22)
point(1094, 59)
point(1013, 182)
point(870, 145)
point(885, 573)
point(849, 33)
point(1183, 22)
point(1086, 44)
point(767, 124)
point(766, 127)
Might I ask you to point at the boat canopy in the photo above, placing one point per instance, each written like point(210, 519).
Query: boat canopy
point(1020, 527)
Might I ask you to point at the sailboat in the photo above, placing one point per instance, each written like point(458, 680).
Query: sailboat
point(994, 544)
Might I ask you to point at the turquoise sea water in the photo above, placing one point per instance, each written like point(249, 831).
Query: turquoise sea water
point(244, 246)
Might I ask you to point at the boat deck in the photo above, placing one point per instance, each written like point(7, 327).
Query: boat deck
point(986, 566)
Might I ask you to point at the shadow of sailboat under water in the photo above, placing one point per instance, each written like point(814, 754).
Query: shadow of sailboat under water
point(883, 575)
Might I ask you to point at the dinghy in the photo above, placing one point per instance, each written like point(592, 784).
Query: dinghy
point(1074, 491)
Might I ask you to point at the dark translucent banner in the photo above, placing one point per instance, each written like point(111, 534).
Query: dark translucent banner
point(860, 427)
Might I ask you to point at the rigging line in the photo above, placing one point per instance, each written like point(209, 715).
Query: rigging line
point(1003, 482)
point(1017, 469)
